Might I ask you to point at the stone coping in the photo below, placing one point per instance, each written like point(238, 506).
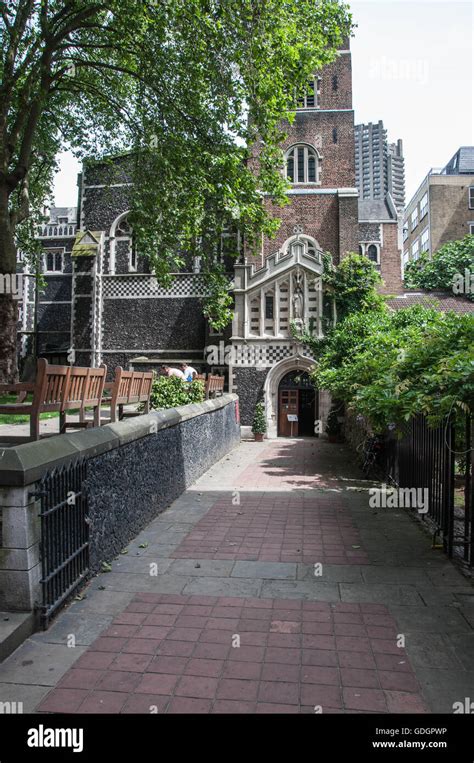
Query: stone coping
point(27, 463)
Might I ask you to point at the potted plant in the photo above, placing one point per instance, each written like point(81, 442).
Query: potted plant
point(334, 425)
point(259, 426)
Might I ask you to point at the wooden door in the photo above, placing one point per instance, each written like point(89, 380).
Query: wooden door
point(288, 406)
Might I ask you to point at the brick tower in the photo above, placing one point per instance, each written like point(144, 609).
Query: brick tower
point(281, 286)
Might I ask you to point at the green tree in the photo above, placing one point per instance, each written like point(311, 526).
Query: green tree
point(190, 87)
point(389, 366)
point(443, 271)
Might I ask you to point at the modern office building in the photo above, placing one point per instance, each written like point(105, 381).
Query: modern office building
point(442, 209)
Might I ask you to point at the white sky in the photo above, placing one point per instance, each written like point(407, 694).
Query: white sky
point(413, 67)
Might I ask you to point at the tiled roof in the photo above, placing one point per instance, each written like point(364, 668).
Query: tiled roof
point(376, 210)
point(442, 301)
point(69, 212)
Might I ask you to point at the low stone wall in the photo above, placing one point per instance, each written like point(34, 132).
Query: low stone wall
point(135, 469)
point(130, 485)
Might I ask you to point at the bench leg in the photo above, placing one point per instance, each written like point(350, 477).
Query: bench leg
point(62, 423)
point(97, 416)
point(34, 426)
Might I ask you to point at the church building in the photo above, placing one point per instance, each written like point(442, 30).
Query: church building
point(101, 304)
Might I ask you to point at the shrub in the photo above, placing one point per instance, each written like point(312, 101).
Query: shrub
point(171, 391)
point(259, 425)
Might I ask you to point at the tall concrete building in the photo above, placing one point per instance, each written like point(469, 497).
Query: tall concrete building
point(396, 174)
point(380, 166)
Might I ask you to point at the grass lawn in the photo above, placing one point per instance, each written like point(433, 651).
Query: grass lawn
point(8, 418)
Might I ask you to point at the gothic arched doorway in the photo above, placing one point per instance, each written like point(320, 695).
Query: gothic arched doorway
point(297, 405)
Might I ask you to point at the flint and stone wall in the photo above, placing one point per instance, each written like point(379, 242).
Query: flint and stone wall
point(135, 470)
point(250, 383)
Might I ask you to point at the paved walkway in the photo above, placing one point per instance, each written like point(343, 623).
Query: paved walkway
point(269, 586)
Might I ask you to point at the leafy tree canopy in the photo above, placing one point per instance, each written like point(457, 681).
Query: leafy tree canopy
point(445, 270)
point(190, 87)
point(390, 366)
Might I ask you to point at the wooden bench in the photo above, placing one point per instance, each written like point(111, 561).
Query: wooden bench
point(129, 388)
point(86, 389)
point(58, 389)
point(214, 386)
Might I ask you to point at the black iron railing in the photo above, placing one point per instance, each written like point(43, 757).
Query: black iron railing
point(440, 460)
point(64, 547)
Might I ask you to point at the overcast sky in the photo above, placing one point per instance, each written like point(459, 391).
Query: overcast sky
point(413, 67)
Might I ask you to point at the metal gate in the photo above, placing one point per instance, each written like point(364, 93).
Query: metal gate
point(440, 459)
point(64, 547)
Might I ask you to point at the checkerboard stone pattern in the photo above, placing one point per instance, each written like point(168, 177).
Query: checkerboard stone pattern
point(183, 285)
point(180, 654)
point(276, 527)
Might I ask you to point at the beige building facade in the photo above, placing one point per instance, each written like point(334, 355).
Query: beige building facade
point(442, 209)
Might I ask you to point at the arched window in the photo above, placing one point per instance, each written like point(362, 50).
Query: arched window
point(373, 253)
point(302, 164)
point(123, 228)
point(122, 235)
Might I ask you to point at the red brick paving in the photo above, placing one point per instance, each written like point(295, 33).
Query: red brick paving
point(189, 664)
point(278, 527)
point(296, 464)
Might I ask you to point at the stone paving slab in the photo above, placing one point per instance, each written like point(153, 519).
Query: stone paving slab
point(201, 568)
point(25, 696)
point(39, 663)
point(266, 570)
point(84, 630)
point(176, 653)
